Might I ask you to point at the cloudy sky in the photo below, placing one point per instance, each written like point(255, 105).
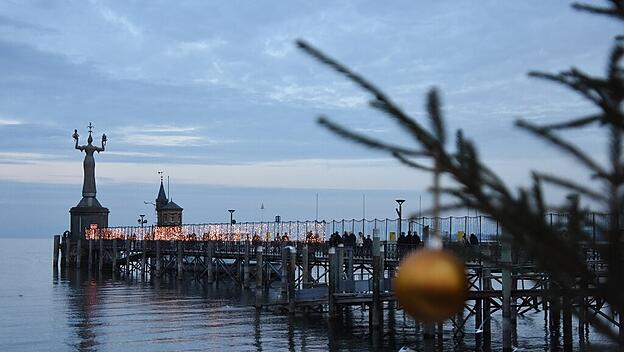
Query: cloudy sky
point(216, 95)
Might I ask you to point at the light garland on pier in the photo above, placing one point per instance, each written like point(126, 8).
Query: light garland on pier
point(309, 232)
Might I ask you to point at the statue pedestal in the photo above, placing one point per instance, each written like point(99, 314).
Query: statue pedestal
point(89, 211)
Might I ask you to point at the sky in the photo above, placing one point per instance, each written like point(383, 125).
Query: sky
point(217, 96)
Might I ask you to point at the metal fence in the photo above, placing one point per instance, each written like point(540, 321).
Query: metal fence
point(486, 228)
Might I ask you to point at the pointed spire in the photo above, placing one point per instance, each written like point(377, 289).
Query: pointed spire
point(161, 200)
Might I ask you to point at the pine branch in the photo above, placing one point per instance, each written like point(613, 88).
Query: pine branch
point(576, 123)
point(574, 80)
point(571, 185)
point(382, 102)
point(565, 146)
point(617, 9)
point(411, 163)
point(366, 141)
point(433, 107)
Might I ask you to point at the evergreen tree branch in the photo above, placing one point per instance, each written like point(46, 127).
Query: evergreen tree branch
point(410, 163)
point(381, 102)
point(617, 9)
point(576, 123)
point(366, 141)
point(571, 185)
point(565, 146)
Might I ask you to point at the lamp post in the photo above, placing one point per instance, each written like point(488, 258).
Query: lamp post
point(399, 211)
point(231, 219)
point(142, 220)
point(155, 211)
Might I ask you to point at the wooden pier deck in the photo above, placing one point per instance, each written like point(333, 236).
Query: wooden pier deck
point(321, 278)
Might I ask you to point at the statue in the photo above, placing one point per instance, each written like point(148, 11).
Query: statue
point(88, 185)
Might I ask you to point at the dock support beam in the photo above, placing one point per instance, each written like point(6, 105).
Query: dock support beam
point(56, 250)
point(284, 271)
point(333, 270)
point(246, 275)
point(78, 253)
point(259, 269)
point(179, 260)
point(376, 303)
point(340, 256)
point(127, 270)
point(506, 304)
point(101, 256)
point(306, 267)
point(158, 261)
point(145, 244)
point(208, 261)
point(114, 256)
point(487, 319)
point(567, 323)
point(66, 251)
point(90, 256)
point(292, 267)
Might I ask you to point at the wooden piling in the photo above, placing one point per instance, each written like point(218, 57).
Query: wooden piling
point(284, 271)
point(259, 282)
point(332, 281)
point(506, 299)
point(179, 260)
point(487, 319)
point(292, 267)
point(114, 256)
point(145, 244)
point(158, 261)
point(67, 250)
point(567, 323)
point(128, 251)
point(621, 328)
point(555, 314)
point(259, 267)
point(246, 275)
point(208, 260)
point(340, 255)
point(582, 312)
point(376, 303)
point(78, 253)
point(478, 313)
point(55, 250)
point(101, 256)
point(349, 269)
point(305, 267)
point(428, 331)
point(90, 256)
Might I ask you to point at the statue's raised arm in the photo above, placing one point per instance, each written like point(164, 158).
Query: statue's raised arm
point(76, 136)
point(98, 149)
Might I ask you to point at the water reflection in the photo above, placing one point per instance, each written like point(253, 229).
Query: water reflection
point(171, 315)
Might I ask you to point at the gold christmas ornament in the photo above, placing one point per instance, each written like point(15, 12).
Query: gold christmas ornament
point(431, 285)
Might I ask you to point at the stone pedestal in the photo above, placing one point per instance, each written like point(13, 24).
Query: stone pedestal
point(88, 211)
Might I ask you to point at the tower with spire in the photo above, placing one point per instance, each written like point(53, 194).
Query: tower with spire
point(168, 212)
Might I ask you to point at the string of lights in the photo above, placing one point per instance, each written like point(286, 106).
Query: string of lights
point(308, 231)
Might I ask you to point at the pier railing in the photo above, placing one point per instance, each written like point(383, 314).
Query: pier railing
point(486, 228)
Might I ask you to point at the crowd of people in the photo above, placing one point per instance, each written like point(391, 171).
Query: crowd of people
point(348, 239)
point(472, 240)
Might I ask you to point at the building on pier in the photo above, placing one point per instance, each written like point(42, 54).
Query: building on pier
point(168, 212)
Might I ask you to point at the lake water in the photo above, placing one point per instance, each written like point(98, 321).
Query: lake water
point(41, 310)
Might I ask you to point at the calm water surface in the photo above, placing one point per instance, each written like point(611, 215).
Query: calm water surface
point(70, 311)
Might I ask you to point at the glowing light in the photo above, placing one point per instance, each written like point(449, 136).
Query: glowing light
point(309, 232)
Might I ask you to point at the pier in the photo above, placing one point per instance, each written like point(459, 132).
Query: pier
point(308, 275)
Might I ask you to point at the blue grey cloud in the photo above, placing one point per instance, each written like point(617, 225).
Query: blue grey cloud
point(206, 82)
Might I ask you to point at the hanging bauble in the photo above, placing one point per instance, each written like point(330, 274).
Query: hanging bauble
point(431, 285)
